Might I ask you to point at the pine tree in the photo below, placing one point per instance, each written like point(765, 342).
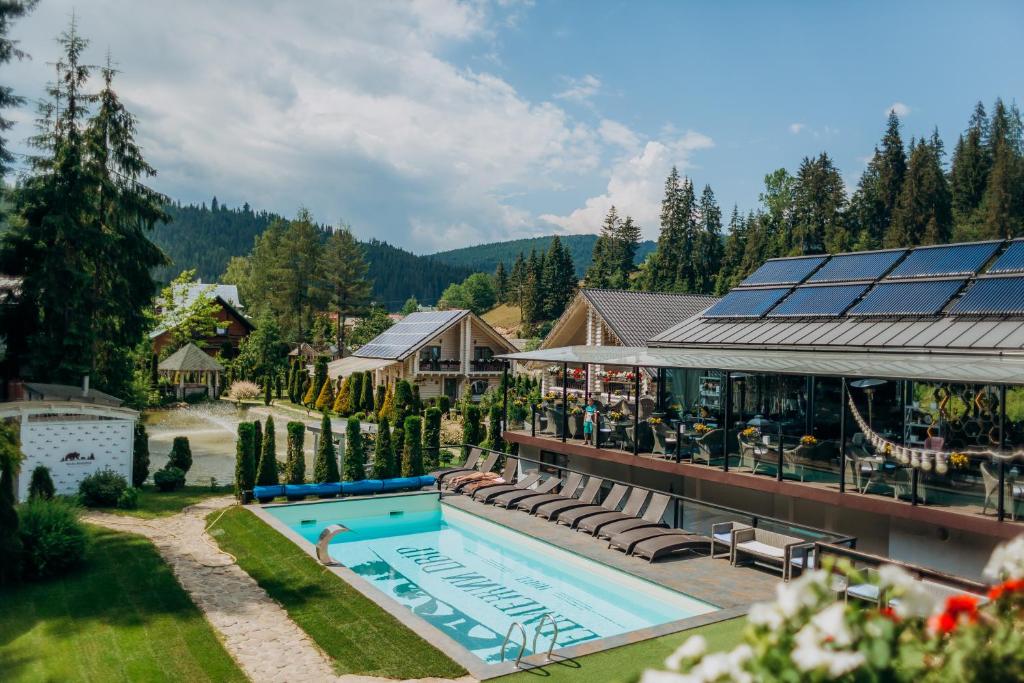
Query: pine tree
point(707, 249)
point(819, 197)
point(266, 469)
point(471, 432)
point(140, 455)
point(355, 453)
point(501, 283)
point(355, 392)
point(245, 465)
point(924, 213)
point(296, 459)
point(345, 278)
point(367, 400)
point(384, 452)
point(432, 438)
point(325, 465)
point(412, 453)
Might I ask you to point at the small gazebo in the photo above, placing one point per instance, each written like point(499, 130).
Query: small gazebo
point(192, 370)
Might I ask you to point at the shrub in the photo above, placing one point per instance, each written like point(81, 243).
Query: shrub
point(140, 455)
point(367, 404)
point(169, 479)
point(308, 393)
point(471, 432)
point(245, 466)
point(325, 399)
point(181, 454)
point(266, 390)
point(494, 429)
point(241, 389)
point(41, 485)
point(325, 465)
point(341, 401)
point(412, 454)
point(10, 541)
point(378, 398)
point(355, 454)
point(257, 442)
point(417, 404)
point(451, 431)
point(432, 438)
point(102, 489)
point(388, 406)
point(445, 404)
point(355, 392)
point(402, 406)
point(266, 469)
point(360, 416)
point(384, 452)
point(52, 536)
point(296, 462)
point(129, 499)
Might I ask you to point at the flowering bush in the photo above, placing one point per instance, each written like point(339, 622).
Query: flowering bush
point(577, 373)
point(808, 440)
point(242, 389)
point(809, 635)
point(959, 461)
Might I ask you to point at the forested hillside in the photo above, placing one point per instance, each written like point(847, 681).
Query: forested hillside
point(206, 237)
point(485, 257)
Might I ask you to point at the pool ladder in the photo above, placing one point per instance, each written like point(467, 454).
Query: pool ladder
point(536, 633)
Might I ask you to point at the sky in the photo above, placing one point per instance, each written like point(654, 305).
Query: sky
point(437, 124)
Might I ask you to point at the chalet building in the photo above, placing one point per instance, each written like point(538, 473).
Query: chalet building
point(448, 353)
point(875, 395)
point(232, 325)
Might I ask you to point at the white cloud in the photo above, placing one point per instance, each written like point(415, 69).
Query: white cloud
point(618, 134)
point(580, 90)
point(899, 109)
point(636, 185)
point(795, 128)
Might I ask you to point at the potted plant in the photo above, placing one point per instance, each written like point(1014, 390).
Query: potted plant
point(576, 422)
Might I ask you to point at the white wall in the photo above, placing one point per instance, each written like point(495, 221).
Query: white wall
point(99, 444)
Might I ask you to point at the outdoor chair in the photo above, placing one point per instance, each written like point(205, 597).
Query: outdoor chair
point(593, 524)
point(567, 490)
point(589, 494)
point(721, 534)
point(752, 452)
point(572, 517)
point(510, 498)
point(646, 438)
point(654, 543)
point(664, 440)
point(903, 486)
point(507, 475)
point(647, 407)
point(454, 480)
point(861, 467)
point(869, 591)
point(653, 517)
point(472, 461)
point(491, 492)
point(1013, 492)
point(768, 547)
point(709, 446)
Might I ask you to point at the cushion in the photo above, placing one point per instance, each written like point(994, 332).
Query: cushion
point(864, 591)
point(798, 559)
point(724, 537)
point(763, 549)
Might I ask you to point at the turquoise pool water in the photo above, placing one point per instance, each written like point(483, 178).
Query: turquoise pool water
point(471, 578)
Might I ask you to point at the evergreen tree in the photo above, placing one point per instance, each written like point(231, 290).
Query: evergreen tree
point(343, 399)
point(606, 257)
point(267, 398)
point(732, 254)
point(325, 399)
point(412, 453)
point(1002, 206)
point(494, 438)
point(670, 259)
point(325, 465)
point(309, 395)
point(388, 405)
point(10, 543)
point(296, 459)
point(968, 176)
point(345, 278)
point(432, 438)
point(295, 276)
point(892, 169)
point(517, 282)
point(411, 305)
point(384, 452)
point(417, 405)
point(266, 469)
point(181, 454)
point(367, 399)
point(532, 306)
point(9, 11)
point(245, 465)
point(924, 213)
point(355, 453)
point(403, 405)
point(257, 443)
point(707, 248)
point(140, 455)
point(40, 486)
point(355, 392)
point(819, 197)
point(628, 243)
point(378, 399)
point(501, 283)
point(471, 431)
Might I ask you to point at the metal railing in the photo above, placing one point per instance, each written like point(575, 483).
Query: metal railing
point(857, 558)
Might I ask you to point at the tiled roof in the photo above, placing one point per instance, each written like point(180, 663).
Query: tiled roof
point(635, 317)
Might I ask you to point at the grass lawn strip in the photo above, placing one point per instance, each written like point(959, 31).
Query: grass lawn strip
point(154, 504)
point(355, 633)
point(121, 617)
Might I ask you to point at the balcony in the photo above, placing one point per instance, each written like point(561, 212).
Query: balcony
point(489, 365)
point(441, 365)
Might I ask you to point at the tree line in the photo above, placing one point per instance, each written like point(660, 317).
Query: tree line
point(540, 285)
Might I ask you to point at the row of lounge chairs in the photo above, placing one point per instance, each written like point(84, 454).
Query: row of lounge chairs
point(637, 529)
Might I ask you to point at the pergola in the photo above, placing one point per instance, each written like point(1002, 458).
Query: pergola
point(191, 367)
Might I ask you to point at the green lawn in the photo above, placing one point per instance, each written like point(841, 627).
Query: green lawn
point(625, 664)
point(358, 635)
point(153, 503)
point(121, 617)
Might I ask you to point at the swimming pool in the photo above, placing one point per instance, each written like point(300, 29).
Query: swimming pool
point(471, 578)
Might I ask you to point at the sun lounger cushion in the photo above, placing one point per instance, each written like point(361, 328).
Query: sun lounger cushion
point(665, 544)
point(864, 591)
point(761, 549)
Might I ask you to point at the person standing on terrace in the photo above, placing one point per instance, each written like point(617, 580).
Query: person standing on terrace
point(589, 417)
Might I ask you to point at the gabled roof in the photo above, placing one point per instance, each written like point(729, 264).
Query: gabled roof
point(413, 331)
point(229, 293)
point(248, 324)
point(190, 358)
point(40, 391)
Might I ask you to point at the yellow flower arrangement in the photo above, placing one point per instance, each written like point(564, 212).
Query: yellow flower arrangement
point(615, 415)
point(701, 428)
point(751, 433)
point(655, 421)
point(808, 440)
point(959, 460)
point(888, 449)
point(573, 398)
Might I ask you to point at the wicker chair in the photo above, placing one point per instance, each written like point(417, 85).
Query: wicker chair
point(664, 440)
point(903, 486)
point(751, 452)
point(1012, 492)
point(709, 446)
point(768, 547)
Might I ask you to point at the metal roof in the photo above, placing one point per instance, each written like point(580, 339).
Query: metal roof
point(68, 392)
point(343, 367)
point(966, 368)
point(635, 317)
point(190, 358)
point(405, 336)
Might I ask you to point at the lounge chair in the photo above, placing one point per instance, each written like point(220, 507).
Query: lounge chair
point(588, 496)
point(507, 475)
point(766, 546)
point(453, 480)
point(574, 516)
point(472, 464)
point(721, 534)
point(572, 482)
point(652, 517)
point(668, 541)
point(593, 524)
point(627, 540)
point(491, 492)
point(510, 498)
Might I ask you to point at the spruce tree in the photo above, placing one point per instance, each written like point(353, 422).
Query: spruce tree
point(355, 392)
point(432, 438)
point(412, 453)
point(257, 442)
point(707, 249)
point(367, 404)
point(628, 242)
point(295, 271)
point(732, 254)
point(384, 452)
point(245, 466)
point(819, 197)
point(1001, 213)
point(345, 279)
point(140, 455)
point(924, 213)
point(325, 465)
point(605, 256)
point(10, 543)
point(533, 291)
point(661, 274)
point(9, 11)
point(266, 469)
point(517, 282)
point(501, 283)
point(355, 453)
point(471, 432)
point(494, 436)
point(969, 173)
point(325, 399)
point(296, 459)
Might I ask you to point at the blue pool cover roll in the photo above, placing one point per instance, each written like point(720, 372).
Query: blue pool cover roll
point(312, 489)
point(362, 488)
point(272, 491)
point(402, 483)
point(349, 488)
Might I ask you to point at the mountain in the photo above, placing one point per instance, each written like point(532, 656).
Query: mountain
point(206, 237)
point(485, 257)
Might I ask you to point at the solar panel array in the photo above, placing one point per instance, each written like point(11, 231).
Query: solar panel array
point(405, 335)
point(925, 281)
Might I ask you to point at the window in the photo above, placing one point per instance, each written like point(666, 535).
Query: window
point(430, 353)
point(483, 353)
point(479, 387)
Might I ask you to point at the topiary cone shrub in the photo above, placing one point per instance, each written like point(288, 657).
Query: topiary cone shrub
point(325, 465)
point(296, 460)
point(245, 466)
point(384, 452)
point(412, 454)
point(266, 468)
point(432, 439)
point(471, 431)
point(181, 454)
point(140, 455)
point(355, 453)
point(41, 484)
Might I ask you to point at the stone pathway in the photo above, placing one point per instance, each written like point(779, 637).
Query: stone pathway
point(256, 631)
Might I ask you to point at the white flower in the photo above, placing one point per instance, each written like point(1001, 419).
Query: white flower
point(653, 676)
point(1007, 561)
point(693, 648)
point(810, 655)
point(831, 622)
point(766, 614)
point(913, 599)
point(713, 667)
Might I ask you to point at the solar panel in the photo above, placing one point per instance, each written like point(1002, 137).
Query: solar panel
point(787, 271)
point(746, 303)
point(869, 265)
point(830, 300)
point(406, 334)
point(926, 297)
point(1011, 260)
point(1003, 295)
point(953, 259)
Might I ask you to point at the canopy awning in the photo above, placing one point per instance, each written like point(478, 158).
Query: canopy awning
point(343, 367)
point(942, 367)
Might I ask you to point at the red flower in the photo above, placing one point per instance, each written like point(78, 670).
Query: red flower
point(959, 608)
point(1011, 586)
point(890, 614)
point(941, 623)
